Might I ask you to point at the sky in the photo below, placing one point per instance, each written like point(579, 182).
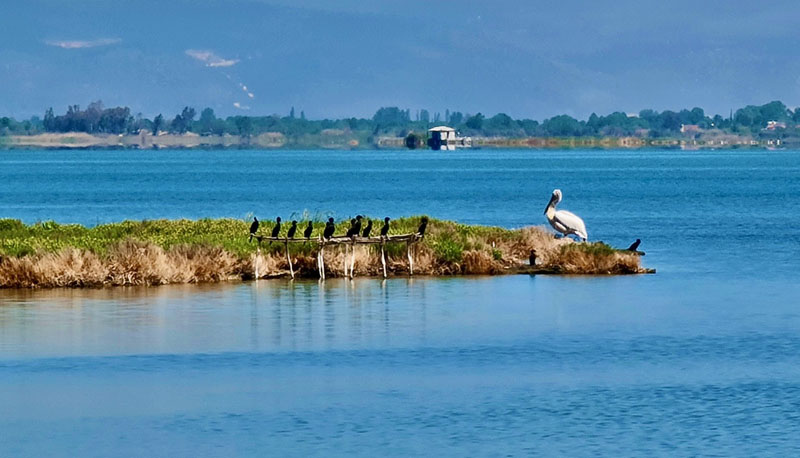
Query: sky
point(342, 58)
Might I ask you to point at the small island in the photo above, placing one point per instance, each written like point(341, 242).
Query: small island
point(158, 252)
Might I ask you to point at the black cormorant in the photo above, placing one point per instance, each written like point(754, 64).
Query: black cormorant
point(367, 229)
point(276, 229)
point(309, 230)
point(253, 229)
point(292, 230)
point(329, 228)
point(635, 245)
point(422, 226)
point(356, 228)
point(352, 230)
point(385, 228)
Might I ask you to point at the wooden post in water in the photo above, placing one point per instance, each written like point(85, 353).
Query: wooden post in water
point(352, 259)
point(383, 260)
point(345, 261)
point(321, 260)
point(288, 258)
point(410, 259)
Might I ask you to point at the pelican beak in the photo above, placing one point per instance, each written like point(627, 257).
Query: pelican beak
point(552, 199)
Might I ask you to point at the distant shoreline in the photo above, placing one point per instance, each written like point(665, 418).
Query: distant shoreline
point(339, 140)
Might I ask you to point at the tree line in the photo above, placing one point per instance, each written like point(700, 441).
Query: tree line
point(96, 119)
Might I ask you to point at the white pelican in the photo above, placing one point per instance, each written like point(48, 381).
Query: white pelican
point(563, 221)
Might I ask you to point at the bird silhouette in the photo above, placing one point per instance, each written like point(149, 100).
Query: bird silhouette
point(359, 219)
point(276, 229)
point(635, 245)
point(385, 228)
point(292, 230)
point(422, 226)
point(330, 227)
point(309, 230)
point(253, 229)
point(352, 230)
point(367, 229)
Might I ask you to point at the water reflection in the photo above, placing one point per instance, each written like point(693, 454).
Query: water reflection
point(286, 316)
point(256, 316)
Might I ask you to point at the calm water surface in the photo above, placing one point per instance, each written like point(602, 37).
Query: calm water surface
point(702, 358)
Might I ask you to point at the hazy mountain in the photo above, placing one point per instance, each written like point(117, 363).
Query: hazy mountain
point(347, 58)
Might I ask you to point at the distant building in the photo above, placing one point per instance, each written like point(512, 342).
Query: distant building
point(772, 125)
point(444, 138)
point(690, 129)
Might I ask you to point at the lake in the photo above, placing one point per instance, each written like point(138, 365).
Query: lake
point(702, 358)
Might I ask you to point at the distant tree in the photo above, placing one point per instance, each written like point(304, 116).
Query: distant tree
point(455, 118)
point(49, 120)
point(158, 123)
point(501, 121)
point(291, 113)
point(414, 141)
point(562, 126)
point(244, 125)
point(424, 116)
point(177, 125)
point(529, 126)
point(391, 116)
point(188, 115)
point(475, 122)
point(91, 117)
point(775, 111)
point(650, 118)
point(183, 121)
point(206, 122)
point(669, 120)
point(302, 115)
point(593, 124)
point(114, 120)
point(696, 116)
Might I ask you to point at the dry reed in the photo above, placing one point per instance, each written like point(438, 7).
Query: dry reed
point(448, 249)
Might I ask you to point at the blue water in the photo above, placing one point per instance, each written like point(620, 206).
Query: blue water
point(702, 358)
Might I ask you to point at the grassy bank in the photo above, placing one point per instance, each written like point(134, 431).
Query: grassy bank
point(156, 252)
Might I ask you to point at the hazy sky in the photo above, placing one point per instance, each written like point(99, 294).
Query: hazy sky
point(340, 58)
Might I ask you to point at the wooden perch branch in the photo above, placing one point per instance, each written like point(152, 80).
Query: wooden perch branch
point(408, 238)
point(348, 242)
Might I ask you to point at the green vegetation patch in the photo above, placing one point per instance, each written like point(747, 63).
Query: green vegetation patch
point(447, 239)
point(593, 249)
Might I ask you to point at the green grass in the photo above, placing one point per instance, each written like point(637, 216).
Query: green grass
point(447, 239)
point(596, 249)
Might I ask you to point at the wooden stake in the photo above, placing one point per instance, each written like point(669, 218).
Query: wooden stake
point(345, 260)
point(322, 261)
point(258, 259)
point(288, 258)
point(383, 261)
point(352, 260)
point(410, 259)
